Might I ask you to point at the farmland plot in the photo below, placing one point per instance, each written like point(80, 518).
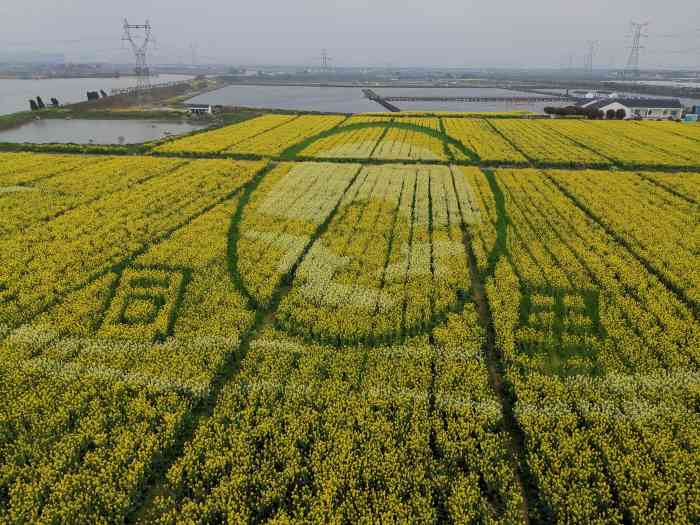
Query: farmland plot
point(601, 355)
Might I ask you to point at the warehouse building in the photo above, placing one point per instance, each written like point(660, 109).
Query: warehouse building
point(636, 108)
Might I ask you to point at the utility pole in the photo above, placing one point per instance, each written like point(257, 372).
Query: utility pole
point(590, 55)
point(140, 47)
point(638, 32)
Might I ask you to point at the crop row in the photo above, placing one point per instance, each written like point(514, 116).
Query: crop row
point(406, 144)
point(91, 402)
point(281, 218)
point(26, 168)
point(624, 203)
point(277, 140)
point(601, 355)
point(355, 143)
point(491, 141)
point(46, 260)
point(480, 137)
point(308, 433)
point(46, 198)
point(391, 261)
point(225, 138)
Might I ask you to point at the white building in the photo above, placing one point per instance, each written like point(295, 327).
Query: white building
point(637, 108)
point(200, 109)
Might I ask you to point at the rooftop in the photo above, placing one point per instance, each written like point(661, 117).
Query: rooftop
point(657, 103)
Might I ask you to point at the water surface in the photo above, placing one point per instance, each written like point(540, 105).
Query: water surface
point(302, 98)
point(94, 131)
point(15, 93)
point(352, 100)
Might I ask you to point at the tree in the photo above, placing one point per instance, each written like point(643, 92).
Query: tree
point(32, 104)
point(40, 103)
point(574, 111)
point(621, 114)
point(610, 114)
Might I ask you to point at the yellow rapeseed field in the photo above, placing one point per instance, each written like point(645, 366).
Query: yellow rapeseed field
point(430, 319)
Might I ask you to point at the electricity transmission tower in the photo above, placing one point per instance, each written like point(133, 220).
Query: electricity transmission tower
point(590, 55)
point(325, 61)
point(140, 47)
point(637, 35)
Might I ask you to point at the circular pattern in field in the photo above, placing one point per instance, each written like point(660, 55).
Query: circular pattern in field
point(365, 254)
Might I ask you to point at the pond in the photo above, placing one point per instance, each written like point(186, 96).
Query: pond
point(90, 131)
point(352, 99)
point(302, 98)
point(15, 93)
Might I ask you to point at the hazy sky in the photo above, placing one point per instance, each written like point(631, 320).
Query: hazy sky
point(360, 32)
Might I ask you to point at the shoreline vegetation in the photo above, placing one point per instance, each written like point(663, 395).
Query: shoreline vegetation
point(158, 103)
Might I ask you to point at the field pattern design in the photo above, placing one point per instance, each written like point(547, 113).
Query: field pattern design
point(210, 340)
point(504, 142)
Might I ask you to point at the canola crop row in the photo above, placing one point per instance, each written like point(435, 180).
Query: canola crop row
point(505, 141)
point(44, 261)
point(601, 355)
point(218, 340)
point(315, 434)
point(93, 399)
point(225, 138)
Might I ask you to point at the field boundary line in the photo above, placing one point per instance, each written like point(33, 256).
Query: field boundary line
point(673, 288)
point(669, 189)
point(496, 368)
point(653, 168)
point(156, 484)
point(670, 132)
point(107, 194)
point(117, 267)
point(257, 134)
point(445, 147)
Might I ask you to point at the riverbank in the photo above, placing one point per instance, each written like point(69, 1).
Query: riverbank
point(158, 104)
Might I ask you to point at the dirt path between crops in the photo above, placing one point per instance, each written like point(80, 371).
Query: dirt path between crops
point(495, 366)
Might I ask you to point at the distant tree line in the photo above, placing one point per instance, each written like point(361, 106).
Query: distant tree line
point(576, 111)
point(590, 113)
